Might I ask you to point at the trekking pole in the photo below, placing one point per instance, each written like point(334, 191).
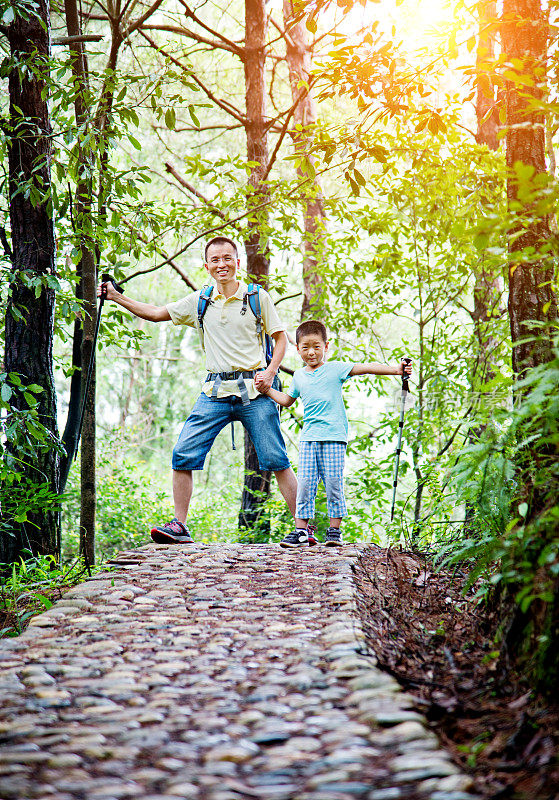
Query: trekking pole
point(405, 390)
point(105, 278)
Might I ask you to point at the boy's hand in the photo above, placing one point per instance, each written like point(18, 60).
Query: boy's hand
point(263, 380)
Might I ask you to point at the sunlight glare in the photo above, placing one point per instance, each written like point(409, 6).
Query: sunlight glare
point(418, 24)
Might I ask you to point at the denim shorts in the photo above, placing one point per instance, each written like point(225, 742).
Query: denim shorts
point(210, 414)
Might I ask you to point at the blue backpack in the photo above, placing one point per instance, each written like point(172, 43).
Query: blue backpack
point(252, 298)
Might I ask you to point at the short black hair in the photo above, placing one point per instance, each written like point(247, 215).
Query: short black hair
point(311, 326)
point(220, 240)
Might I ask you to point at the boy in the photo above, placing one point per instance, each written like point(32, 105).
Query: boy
point(324, 438)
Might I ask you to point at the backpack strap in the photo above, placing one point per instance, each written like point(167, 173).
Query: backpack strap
point(252, 296)
point(204, 299)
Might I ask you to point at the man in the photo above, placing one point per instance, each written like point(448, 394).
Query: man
point(234, 355)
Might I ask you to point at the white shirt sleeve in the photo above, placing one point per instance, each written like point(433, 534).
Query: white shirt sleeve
point(185, 311)
point(270, 318)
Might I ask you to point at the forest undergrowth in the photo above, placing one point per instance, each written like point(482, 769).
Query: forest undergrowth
point(440, 644)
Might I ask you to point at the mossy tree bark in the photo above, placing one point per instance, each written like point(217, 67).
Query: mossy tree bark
point(30, 310)
point(531, 636)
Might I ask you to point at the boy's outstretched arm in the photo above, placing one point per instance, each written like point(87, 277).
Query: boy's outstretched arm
point(144, 310)
point(281, 398)
point(374, 368)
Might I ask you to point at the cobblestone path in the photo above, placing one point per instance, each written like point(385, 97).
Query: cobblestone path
point(211, 673)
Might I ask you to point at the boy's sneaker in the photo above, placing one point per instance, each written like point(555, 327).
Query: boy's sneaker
point(333, 537)
point(311, 535)
point(297, 538)
point(173, 532)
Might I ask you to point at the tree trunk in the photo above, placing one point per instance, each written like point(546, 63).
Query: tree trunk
point(30, 311)
point(531, 297)
point(257, 482)
point(86, 290)
point(304, 118)
point(531, 636)
point(487, 285)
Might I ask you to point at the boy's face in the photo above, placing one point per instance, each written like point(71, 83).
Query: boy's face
point(312, 349)
point(222, 262)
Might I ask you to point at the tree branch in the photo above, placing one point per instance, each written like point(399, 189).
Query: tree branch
point(188, 128)
point(140, 21)
point(282, 134)
point(172, 263)
point(226, 224)
point(5, 243)
point(192, 189)
point(86, 37)
point(220, 103)
point(189, 14)
point(214, 44)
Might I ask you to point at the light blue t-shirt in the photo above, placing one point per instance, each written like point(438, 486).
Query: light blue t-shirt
point(324, 418)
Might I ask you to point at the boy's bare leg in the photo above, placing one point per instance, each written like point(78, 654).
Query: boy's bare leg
point(287, 483)
point(182, 492)
point(301, 523)
point(335, 522)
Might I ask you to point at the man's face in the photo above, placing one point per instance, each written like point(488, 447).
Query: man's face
point(312, 349)
point(222, 262)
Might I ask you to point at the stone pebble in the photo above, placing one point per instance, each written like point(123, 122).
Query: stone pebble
point(212, 673)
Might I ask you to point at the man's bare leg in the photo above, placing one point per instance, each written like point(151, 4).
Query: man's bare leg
point(287, 483)
point(182, 492)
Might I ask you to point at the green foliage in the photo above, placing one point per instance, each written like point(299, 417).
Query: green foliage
point(24, 438)
point(127, 506)
point(514, 467)
point(30, 586)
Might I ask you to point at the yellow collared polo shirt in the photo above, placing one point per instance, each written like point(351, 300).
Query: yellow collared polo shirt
point(230, 339)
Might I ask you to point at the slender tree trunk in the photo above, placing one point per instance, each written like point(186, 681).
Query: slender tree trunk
point(257, 482)
point(86, 288)
point(304, 118)
point(487, 290)
point(30, 311)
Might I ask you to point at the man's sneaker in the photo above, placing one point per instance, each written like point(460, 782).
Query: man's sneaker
point(311, 535)
point(295, 539)
point(333, 537)
point(173, 532)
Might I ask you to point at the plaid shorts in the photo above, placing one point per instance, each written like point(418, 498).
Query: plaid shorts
point(321, 461)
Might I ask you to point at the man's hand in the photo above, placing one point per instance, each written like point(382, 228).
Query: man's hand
point(263, 380)
point(108, 290)
point(407, 368)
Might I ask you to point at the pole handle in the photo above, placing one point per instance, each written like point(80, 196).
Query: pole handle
point(405, 378)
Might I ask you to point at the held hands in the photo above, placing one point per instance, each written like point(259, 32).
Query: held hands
point(263, 380)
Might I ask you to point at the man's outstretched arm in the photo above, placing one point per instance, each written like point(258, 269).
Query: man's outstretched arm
point(144, 310)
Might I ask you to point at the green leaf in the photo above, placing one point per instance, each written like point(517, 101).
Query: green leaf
point(170, 118)
point(6, 393)
point(523, 509)
point(193, 116)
